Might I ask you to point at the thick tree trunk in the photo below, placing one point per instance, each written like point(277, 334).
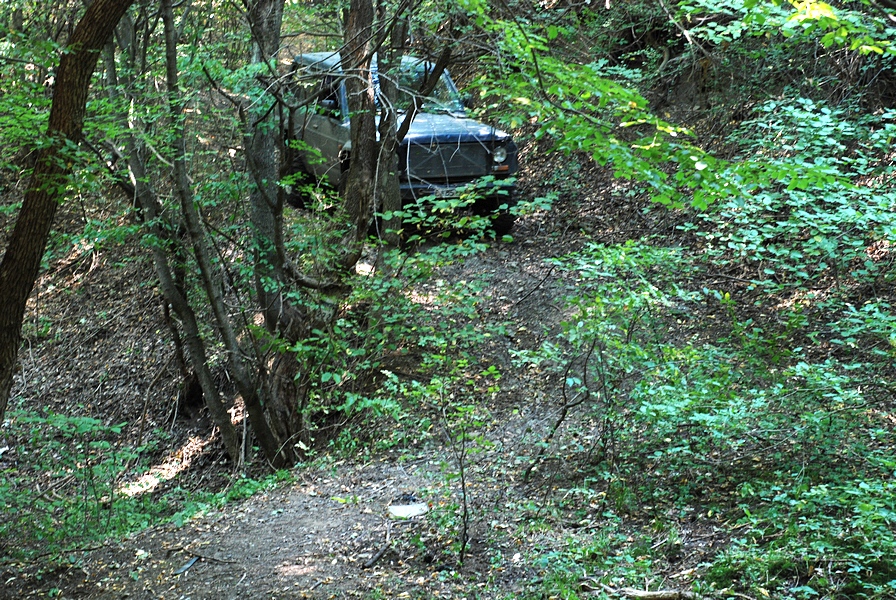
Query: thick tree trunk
point(263, 145)
point(21, 261)
point(282, 397)
point(360, 186)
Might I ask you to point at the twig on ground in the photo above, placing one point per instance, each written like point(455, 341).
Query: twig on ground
point(379, 553)
point(187, 566)
point(568, 404)
point(730, 277)
point(206, 557)
point(532, 291)
point(644, 595)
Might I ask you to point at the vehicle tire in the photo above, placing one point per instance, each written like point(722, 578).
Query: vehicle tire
point(502, 220)
point(297, 195)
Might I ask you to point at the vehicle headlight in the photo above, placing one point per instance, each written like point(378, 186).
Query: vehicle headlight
point(499, 154)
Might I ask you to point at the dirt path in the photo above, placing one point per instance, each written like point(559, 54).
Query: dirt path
point(311, 539)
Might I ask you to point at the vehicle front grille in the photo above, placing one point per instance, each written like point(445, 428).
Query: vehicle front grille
point(443, 163)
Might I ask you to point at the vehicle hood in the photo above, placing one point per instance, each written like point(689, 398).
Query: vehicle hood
point(443, 128)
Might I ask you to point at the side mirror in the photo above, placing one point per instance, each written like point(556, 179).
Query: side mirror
point(467, 101)
point(329, 108)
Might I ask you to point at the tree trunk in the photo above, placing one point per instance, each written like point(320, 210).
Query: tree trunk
point(263, 144)
point(283, 397)
point(360, 186)
point(21, 261)
point(388, 191)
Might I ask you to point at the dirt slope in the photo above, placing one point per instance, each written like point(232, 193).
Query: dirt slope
point(313, 538)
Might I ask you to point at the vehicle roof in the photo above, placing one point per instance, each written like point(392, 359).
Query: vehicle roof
point(320, 61)
point(331, 61)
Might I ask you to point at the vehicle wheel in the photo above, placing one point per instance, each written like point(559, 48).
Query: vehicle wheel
point(297, 195)
point(502, 220)
point(503, 223)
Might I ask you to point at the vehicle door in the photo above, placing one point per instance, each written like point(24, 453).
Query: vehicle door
point(323, 126)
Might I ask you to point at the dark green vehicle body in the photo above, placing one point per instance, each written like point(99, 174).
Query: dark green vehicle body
point(443, 152)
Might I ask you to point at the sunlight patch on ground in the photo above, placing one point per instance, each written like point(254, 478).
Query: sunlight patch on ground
point(364, 268)
point(423, 298)
point(175, 463)
point(238, 411)
point(296, 570)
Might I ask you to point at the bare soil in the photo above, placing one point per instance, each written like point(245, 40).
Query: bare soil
point(328, 534)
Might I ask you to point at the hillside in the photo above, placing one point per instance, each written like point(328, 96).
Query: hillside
point(674, 380)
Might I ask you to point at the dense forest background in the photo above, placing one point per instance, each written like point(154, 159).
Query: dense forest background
point(676, 375)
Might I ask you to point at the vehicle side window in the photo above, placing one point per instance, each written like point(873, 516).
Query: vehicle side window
point(327, 103)
point(320, 93)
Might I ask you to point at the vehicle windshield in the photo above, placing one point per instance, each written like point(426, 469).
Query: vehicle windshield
point(444, 97)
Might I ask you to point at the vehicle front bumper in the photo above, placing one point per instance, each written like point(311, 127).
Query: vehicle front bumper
point(411, 192)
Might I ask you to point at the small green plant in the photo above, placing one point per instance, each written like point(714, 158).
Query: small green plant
point(67, 487)
point(461, 424)
point(79, 468)
point(240, 487)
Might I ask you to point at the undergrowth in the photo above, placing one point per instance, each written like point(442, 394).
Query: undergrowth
point(70, 483)
point(761, 407)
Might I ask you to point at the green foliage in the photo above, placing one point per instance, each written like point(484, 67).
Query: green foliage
point(830, 539)
point(868, 329)
point(583, 110)
point(69, 486)
point(794, 233)
point(385, 327)
point(240, 488)
point(745, 420)
point(608, 551)
point(82, 470)
point(859, 26)
point(24, 101)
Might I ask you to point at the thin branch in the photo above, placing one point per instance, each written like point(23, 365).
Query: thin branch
point(310, 34)
point(16, 60)
point(426, 88)
point(686, 33)
point(642, 594)
point(567, 406)
point(534, 289)
point(236, 103)
point(118, 177)
point(305, 281)
point(379, 553)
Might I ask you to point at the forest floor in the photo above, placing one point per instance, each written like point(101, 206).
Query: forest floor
point(327, 533)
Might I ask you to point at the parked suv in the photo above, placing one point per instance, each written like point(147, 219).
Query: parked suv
point(443, 151)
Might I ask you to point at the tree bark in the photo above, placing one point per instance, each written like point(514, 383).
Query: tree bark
point(388, 191)
point(21, 261)
point(263, 144)
point(360, 186)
